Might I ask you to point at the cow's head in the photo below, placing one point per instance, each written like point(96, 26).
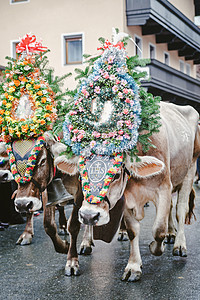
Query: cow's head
point(28, 195)
point(96, 213)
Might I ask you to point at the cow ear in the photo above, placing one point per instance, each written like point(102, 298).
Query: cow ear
point(147, 166)
point(56, 147)
point(3, 152)
point(67, 166)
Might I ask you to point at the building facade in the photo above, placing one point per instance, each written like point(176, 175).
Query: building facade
point(164, 31)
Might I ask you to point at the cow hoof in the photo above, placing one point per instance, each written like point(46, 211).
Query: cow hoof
point(131, 276)
point(170, 239)
point(72, 268)
point(156, 249)
point(63, 231)
point(24, 241)
point(85, 250)
point(123, 236)
point(179, 251)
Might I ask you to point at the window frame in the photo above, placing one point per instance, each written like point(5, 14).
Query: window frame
point(13, 48)
point(183, 64)
point(140, 53)
point(186, 69)
point(18, 2)
point(168, 55)
point(154, 47)
point(71, 36)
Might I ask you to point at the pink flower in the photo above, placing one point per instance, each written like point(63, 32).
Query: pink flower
point(104, 135)
point(128, 122)
point(94, 133)
point(75, 130)
point(92, 144)
point(117, 81)
point(120, 132)
point(112, 77)
point(112, 134)
point(127, 100)
point(123, 82)
point(98, 135)
point(125, 111)
point(70, 127)
point(79, 137)
point(105, 142)
point(74, 139)
point(110, 59)
point(106, 75)
point(115, 88)
point(127, 136)
point(97, 90)
point(125, 91)
point(76, 102)
point(120, 95)
point(91, 84)
point(120, 123)
point(131, 102)
point(85, 92)
point(119, 138)
point(109, 68)
point(81, 109)
point(72, 112)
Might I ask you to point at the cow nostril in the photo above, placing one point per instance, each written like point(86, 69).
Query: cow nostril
point(5, 176)
point(29, 205)
point(96, 218)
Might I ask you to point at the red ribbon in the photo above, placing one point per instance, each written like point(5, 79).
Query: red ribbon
point(28, 43)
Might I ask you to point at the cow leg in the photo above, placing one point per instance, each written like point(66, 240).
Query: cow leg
point(51, 228)
point(170, 237)
point(87, 242)
point(160, 226)
point(72, 265)
point(182, 209)
point(133, 270)
point(26, 237)
point(62, 220)
point(122, 236)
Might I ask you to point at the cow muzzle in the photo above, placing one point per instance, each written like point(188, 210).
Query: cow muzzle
point(27, 204)
point(91, 214)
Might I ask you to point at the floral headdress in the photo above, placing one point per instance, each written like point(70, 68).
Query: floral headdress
point(106, 115)
point(27, 106)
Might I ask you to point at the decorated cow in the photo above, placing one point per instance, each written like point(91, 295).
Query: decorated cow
point(108, 131)
point(27, 110)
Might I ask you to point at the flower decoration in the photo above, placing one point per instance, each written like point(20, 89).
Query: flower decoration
point(27, 106)
point(86, 186)
point(31, 161)
point(106, 113)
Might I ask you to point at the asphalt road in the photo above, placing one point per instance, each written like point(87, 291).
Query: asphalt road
point(36, 271)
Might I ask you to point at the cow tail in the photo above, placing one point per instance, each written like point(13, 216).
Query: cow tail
point(191, 208)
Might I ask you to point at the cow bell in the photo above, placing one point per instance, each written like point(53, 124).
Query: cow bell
point(57, 194)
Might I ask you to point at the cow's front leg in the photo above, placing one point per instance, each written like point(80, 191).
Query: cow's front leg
point(26, 237)
point(51, 228)
point(133, 270)
point(160, 226)
point(72, 265)
point(87, 242)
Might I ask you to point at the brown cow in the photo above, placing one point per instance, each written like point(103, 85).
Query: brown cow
point(167, 168)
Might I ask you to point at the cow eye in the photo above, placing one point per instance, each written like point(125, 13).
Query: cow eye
point(116, 177)
point(43, 161)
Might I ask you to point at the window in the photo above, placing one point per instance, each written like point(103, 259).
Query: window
point(13, 49)
point(166, 58)
point(182, 66)
point(73, 49)
point(188, 69)
point(138, 46)
point(152, 51)
point(18, 1)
